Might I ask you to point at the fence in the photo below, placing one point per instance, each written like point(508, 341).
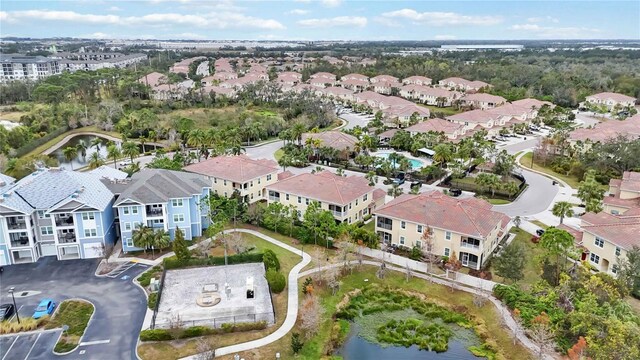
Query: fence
point(155, 308)
point(217, 322)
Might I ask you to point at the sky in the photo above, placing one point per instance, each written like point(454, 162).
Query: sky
point(321, 19)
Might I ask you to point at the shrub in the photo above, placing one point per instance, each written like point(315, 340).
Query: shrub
point(174, 263)
point(276, 281)
point(296, 343)
point(145, 279)
point(270, 260)
point(26, 324)
point(153, 299)
point(155, 335)
point(196, 331)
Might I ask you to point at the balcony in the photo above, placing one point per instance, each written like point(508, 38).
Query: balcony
point(16, 223)
point(338, 213)
point(67, 238)
point(384, 223)
point(63, 220)
point(153, 211)
point(19, 239)
point(470, 243)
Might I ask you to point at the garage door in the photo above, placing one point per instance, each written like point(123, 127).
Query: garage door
point(3, 260)
point(48, 249)
point(92, 250)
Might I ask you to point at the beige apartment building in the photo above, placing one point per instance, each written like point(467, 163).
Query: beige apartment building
point(349, 199)
point(238, 173)
point(624, 194)
point(465, 228)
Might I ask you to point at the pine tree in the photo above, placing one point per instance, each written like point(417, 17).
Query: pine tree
point(180, 246)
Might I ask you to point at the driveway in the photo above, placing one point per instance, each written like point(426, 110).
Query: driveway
point(113, 330)
point(354, 120)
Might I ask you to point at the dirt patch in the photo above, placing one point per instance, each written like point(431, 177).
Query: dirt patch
point(105, 268)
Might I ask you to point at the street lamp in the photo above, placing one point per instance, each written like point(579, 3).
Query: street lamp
point(11, 289)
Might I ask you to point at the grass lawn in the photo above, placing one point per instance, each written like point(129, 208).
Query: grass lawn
point(314, 348)
point(539, 223)
point(531, 268)
point(75, 314)
point(525, 161)
point(167, 350)
point(55, 140)
point(278, 154)
point(446, 110)
point(13, 116)
point(371, 226)
point(498, 201)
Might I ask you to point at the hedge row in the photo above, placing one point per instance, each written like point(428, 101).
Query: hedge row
point(23, 150)
point(195, 331)
point(175, 263)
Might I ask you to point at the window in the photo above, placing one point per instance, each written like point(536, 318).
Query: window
point(43, 215)
point(599, 242)
point(446, 251)
point(127, 226)
point(287, 196)
point(176, 202)
point(88, 216)
point(447, 235)
point(356, 202)
point(134, 210)
point(349, 206)
point(251, 183)
point(365, 197)
point(299, 200)
point(615, 212)
point(90, 232)
point(401, 240)
point(259, 181)
point(125, 210)
point(419, 244)
point(46, 230)
point(269, 177)
point(129, 242)
point(403, 224)
point(617, 251)
point(614, 269)
point(225, 183)
point(594, 258)
point(225, 194)
point(178, 217)
point(306, 201)
point(215, 181)
point(299, 213)
point(420, 229)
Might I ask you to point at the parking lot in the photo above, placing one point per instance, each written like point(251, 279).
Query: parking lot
point(113, 330)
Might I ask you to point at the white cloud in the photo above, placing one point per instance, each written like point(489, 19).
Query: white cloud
point(217, 20)
point(443, 18)
point(331, 3)
point(355, 21)
point(302, 1)
point(297, 12)
point(543, 19)
point(445, 37)
point(97, 35)
point(187, 36)
point(387, 22)
point(114, 8)
point(553, 32)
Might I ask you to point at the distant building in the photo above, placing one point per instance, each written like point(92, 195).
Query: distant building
point(610, 100)
point(21, 67)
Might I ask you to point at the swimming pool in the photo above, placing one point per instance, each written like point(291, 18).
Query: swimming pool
point(415, 164)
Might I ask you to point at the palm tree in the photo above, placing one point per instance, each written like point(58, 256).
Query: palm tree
point(488, 181)
point(70, 153)
point(81, 149)
point(442, 154)
point(562, 209)
point(296, 132)
point(96, 143)
point(95, 160)
point(142, 237)
point(113, 152)
point(130, 149)
point(132, 168)
point(395, 190)
point(159, 239)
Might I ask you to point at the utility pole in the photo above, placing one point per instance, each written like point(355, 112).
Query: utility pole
point(11, 290)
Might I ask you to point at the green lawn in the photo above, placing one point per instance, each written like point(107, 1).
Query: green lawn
point(498, 201)
point(531, 268)
point(55, 140)
point(278, 154)
point(371, 226)
point(446, 110)
point(525, 161)
point(75, 314)
point(539, 223)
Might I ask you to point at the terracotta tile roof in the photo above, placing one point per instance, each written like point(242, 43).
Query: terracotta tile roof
point(285, 175)
point(630, 181)
point(608, 130)
point(357, 77)
point(416, 78)
point(473, 116)
point(153, 79)
point(325, 187)
point(530, 103)
point(238, 168)
point(407, 110)
point(436, 125)
point(354, 82)
point(625, 203)
point(323, 75)
point(612, 96)
point(482, 97)
point(333, 139)
point(384, 78)
point(472, 217)
point(577, 234)
point(379, 194)
point(620, 230)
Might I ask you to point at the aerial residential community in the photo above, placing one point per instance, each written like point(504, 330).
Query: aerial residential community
point(319, 180)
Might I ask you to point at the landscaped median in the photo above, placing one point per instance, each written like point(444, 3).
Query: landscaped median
point(75, 314)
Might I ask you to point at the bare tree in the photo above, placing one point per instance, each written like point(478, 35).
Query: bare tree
point(541, 333)
point(428, 241)
point(331, 276)
point(205, 348)
point(408, 272)
point(236, 242)
point(381, 272)
point(310, 316)
point(105, 251)
point(203, 248)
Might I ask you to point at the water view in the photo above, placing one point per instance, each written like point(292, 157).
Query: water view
point(415, 163)
point(79, 161)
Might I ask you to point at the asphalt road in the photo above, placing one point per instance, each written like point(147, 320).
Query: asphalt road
point(113, 330)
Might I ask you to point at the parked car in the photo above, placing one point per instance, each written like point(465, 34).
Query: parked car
point(455, 192)
point(539, 232)
point(417, 184)
point(6, 311)
point(398, 181)
point(45, 307)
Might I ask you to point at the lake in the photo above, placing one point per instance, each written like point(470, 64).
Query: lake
point(356, 348)
point(78, 161)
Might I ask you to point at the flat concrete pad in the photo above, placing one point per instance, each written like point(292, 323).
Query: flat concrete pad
point(182, 288)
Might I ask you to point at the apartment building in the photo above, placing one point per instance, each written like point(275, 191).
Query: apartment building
point(482, 101)
point(456, 83)
point(604, 131)
point(417, 80)
point(348, 198)
point(465, 228)
point(88, 63)
point(160, 199)
point(624, 194)
point(55, 212)
point(610, 100)
point(238, 174)
point(21, 67)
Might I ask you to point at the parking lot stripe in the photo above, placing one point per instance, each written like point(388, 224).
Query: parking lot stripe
point(32, 346)
point(14, 315)
point(96, 342)
point(9, 349)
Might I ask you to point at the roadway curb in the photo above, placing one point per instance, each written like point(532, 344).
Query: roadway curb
point(562, 182)
point(85, 329)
